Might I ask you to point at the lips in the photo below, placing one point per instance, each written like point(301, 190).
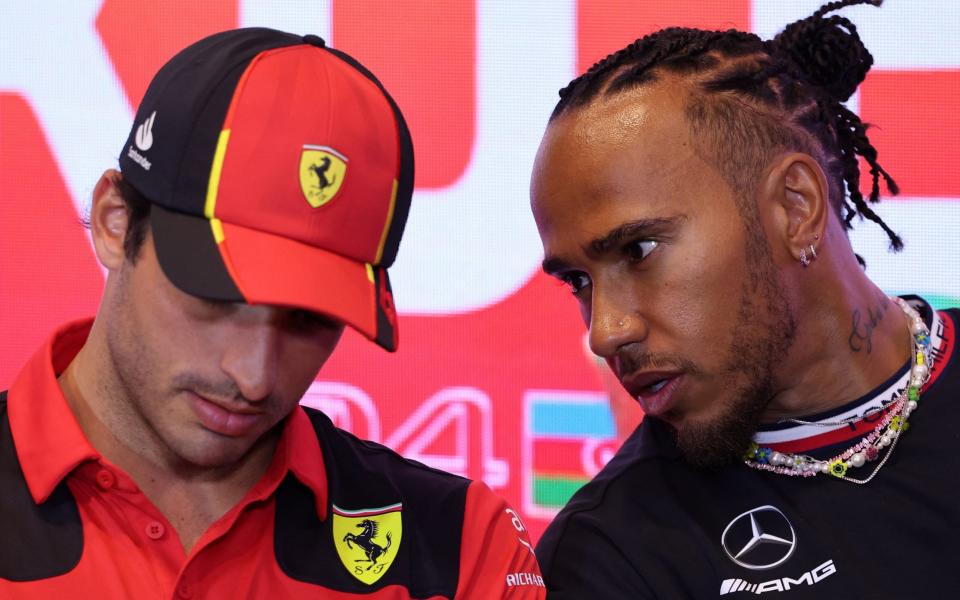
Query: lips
point(654, 390)
point(218, 419)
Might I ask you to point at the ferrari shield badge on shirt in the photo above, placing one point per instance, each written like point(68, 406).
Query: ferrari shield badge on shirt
point(322, 170)
point(367, 539)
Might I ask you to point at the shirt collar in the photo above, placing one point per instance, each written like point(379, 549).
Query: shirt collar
point(299, 453)
point(46, 435)
point(50, 443)
point(859, 416)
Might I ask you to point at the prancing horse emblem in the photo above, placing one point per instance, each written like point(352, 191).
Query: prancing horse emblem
point(367, 539)
point(322, 170)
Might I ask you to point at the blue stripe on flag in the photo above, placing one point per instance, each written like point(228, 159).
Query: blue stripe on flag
point(586, 419)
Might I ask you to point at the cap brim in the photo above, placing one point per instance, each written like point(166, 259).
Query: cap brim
point(239, 264)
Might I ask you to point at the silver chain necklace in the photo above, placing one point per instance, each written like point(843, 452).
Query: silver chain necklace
point(887, 433)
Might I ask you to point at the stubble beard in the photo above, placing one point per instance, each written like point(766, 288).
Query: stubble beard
point(141, 401)
point(130, 361)
point(764, 332)
point(139, 423)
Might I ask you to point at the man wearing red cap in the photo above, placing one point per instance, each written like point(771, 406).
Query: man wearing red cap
point(159, 451)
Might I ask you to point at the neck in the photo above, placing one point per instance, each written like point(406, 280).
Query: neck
point(850, 338)
point(191, 497)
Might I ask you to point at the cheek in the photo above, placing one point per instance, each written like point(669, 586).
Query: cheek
point(155, 324)
point(164, 322)
point(303, 358)
point(703, 291)
point(186, 343)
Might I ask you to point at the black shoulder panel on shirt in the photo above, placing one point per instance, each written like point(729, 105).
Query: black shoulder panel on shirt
point(36, 542)
point(650, 441)
point(364, 475)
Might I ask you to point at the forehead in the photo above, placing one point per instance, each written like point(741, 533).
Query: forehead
point(624, 157)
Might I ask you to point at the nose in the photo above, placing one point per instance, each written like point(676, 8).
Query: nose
point(254, 353)
point(615, 321)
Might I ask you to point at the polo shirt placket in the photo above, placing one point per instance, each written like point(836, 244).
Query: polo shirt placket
point(121, 526)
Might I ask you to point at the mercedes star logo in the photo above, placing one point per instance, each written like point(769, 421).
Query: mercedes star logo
point(761, 538)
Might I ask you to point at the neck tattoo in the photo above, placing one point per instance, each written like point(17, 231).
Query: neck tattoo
point(886, 434)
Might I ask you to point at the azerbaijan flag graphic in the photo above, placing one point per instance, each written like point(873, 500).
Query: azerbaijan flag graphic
point(568, 437)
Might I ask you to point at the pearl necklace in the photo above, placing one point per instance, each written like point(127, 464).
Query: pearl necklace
point(887, 432)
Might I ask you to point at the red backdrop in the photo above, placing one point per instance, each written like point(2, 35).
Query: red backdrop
point(496, 386)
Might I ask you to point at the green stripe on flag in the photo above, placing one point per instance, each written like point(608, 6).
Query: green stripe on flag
point(555, 491)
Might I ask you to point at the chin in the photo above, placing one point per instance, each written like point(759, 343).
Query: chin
point(212, 454)
point(711, 445)
point(718, 433)
point(719, 439)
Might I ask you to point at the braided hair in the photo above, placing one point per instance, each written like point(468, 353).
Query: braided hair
point(752, 97)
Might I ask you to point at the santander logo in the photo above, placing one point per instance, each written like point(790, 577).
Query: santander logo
point(144, 137)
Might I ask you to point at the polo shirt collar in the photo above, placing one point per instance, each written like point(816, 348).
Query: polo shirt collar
point(50, 443)
point(299, 449)
point(46, 435)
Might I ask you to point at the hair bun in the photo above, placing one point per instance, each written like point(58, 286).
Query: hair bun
point(827, 51)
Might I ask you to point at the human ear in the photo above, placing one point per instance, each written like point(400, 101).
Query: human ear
point(108, 221)
point(797, 197)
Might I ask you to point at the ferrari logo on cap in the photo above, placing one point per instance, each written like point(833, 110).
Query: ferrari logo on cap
point(367, 539)
point(322, 170)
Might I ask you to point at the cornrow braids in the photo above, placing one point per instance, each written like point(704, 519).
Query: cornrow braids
point(752, 97)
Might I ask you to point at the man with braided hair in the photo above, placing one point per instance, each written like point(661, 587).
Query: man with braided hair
point(694, 190)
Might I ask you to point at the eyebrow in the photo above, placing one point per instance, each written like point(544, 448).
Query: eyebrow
point(553, 265)
point(631, 230)
point(625, 231)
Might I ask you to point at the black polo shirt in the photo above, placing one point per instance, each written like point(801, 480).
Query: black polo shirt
point(652, 526)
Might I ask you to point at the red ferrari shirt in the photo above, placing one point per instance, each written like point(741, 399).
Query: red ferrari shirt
point(333, 517)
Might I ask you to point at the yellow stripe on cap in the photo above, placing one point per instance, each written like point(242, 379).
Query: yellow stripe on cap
point(386, 227)
point(370, 272)
point(214, 184)
point(217, 228)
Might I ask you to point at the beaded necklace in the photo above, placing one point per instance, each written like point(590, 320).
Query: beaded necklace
point(887, 432)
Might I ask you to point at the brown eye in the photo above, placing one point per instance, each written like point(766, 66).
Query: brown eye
point(640, 249)
point(575, 281)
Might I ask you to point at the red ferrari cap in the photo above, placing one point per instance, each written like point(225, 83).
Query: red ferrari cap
point(280, 171)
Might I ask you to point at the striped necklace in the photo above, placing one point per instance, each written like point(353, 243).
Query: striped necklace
point(887, 432)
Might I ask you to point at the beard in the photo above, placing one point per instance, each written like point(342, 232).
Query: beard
point(142, 393)
point(762, 335)
point(724, 438)
point(129, 384)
